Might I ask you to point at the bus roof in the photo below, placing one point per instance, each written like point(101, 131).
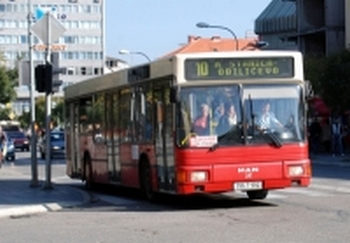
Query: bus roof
point(166, 67)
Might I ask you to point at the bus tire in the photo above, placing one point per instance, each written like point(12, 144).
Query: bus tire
point(259, 194)
point(145, 175)
point(87, 175)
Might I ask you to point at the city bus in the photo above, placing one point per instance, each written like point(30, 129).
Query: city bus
point(160, 127)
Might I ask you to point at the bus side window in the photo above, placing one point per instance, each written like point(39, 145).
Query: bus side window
point(125, 111)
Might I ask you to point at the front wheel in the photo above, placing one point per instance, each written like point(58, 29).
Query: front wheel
point(259, 194)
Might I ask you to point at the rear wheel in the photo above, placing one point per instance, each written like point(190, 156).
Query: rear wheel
point(255, 195)
point(146, 181)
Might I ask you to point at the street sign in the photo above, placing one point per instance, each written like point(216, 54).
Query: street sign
point(41, 11)
point(46, 23)
point(53, 47)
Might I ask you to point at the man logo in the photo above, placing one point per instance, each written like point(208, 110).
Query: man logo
point(248, 171)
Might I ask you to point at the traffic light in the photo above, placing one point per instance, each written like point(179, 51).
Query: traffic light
point(46, 76)
point(43, 78)
point(56, 70)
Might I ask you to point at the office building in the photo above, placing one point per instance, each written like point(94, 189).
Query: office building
point(318, 27)
point(81, 47)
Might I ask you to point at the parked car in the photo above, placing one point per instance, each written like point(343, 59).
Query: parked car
point(20, 140)
point(57, 145)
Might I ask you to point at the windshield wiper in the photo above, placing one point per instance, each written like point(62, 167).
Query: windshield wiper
point(225, 137)
point(272, 137)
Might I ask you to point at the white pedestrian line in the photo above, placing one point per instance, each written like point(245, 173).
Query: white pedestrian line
point(331, 188)
point(305, 191)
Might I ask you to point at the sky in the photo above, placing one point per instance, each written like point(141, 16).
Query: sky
point(157, 27)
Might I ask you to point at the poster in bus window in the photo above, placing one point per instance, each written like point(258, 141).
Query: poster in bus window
point(203, 141)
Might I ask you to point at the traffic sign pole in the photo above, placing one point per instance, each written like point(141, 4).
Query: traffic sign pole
point(33, 137)
point(48, 29)
point(48, 109)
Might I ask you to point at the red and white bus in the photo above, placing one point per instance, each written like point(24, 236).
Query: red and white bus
point(143, 127)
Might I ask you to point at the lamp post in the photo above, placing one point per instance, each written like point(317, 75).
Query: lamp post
point(124, 52)
point(206, 25)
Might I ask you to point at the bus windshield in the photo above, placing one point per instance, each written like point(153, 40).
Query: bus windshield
point(235, 115)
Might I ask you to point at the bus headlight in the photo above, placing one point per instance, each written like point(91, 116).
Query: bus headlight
point(198, 176)
point(295, 170)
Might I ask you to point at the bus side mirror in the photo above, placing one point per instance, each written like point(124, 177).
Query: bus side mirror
point(174, 95)
point(309, 92)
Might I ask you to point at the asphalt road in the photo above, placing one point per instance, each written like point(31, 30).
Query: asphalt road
point(320, 213)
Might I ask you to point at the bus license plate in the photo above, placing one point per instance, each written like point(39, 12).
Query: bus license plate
point(246, 186)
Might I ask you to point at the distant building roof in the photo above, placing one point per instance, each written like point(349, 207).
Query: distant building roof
point(215, 43)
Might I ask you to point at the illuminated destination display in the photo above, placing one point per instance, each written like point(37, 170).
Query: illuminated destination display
point(239, 68)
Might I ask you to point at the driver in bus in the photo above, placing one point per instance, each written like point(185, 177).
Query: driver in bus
point(268, 119)
point(201, 125)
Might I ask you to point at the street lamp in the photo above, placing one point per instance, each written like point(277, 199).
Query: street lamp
point(205, 25)
point(124, 52)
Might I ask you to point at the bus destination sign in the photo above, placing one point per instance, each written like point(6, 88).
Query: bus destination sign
point(239, 68)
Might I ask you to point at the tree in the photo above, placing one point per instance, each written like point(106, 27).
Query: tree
point(314, 70)
point(336, 80)
point(57, 115)
point(7, 91)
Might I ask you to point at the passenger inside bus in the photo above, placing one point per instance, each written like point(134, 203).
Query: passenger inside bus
point(228, 120)
point(219, 112)
point(201, 125)
point(268, 119)
point(291, 126)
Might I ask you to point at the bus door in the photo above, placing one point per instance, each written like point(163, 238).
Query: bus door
point(163, 136)
point(112, 137)
point(74, 138)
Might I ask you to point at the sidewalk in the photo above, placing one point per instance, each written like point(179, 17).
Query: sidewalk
point(18, 199)
point(328, 159)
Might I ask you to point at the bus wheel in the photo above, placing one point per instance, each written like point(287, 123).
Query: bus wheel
point(146, 181)
point(260, 194)
point(87, 176)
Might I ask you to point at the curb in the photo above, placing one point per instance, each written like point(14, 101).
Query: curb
point(24, 211)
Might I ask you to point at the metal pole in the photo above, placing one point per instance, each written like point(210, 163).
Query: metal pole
point(34, 163)
point(143, 54)
point(48, 109)
point(229, 30)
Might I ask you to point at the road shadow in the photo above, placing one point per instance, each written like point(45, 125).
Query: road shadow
point(131, 200)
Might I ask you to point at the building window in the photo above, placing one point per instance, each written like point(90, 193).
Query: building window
point(96, 71)
point(70, 71)
point(83, 70)
point(89, 71)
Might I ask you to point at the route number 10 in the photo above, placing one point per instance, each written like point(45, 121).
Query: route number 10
point(202, 69)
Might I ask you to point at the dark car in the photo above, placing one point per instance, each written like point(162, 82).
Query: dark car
point(20, 140)
point(57, 145)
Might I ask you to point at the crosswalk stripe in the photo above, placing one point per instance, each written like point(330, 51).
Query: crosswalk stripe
point(305, 191)
point(331, 188)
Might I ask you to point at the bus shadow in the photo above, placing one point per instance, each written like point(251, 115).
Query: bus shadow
point(130, 200)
